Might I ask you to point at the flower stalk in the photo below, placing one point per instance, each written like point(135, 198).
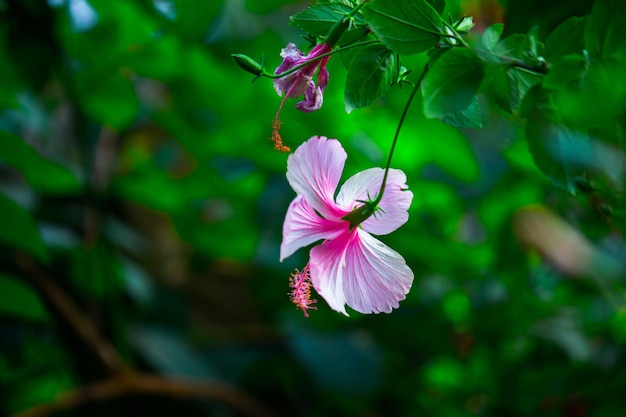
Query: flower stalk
point(370, 206)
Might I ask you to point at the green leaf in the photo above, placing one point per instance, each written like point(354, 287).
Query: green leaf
point(556, 149)
point(564, 71)
point(371, 73)
point(43, 175)
point(407, 27)
point(348, 55)
point(596, 100)
point(53, 376)
point(520, 46)
point(438, 5)
point(19, 300)
point(491, 35)
point(443, 374)
point(96, 271)
point(510, 85)
point(192, 18)
point(468, 117)
point(317, 20)
point(120, 28)
point(11, 78)
point(450, 88)
point(19, 230)
point(109, 100)
point(567, 38)
point(605, 33)
point(349, 3)
point(159, 59)
point(457, 306)
point(236, 232)
point(141, 186)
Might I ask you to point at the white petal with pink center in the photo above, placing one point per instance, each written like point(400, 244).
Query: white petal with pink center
point(394, 206)
point(359, 270)
point(304, 226)
point(350, 267)
point(314, 171)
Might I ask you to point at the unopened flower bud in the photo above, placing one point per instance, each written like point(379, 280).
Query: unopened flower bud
point(465, 25)
point(248, 64)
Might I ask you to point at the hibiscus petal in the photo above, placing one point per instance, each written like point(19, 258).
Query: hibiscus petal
point(313, 98)
point(358, 270)
point(291, 57)
point(282, 85)
point(318, 50)
point(326, 270)
point(394, 205)
point(376, 277)
point(314, 170)
point(290, 54)
point(304, 226)
point(322, 77)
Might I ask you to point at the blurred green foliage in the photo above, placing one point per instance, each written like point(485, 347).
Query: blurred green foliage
point(136, 176)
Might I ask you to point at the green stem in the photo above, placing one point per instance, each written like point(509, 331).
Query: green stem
point(317, 58)
point(514, 62)
point(537, 69)
point(540, 68)
point(379, 197)
point(369, 207)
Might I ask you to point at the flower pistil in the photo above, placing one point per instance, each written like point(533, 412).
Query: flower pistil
point(300, 295)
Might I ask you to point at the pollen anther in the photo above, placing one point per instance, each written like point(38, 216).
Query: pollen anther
point(276, 138)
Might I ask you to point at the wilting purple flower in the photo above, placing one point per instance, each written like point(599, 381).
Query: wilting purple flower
point(349, 266)
point(300, 82)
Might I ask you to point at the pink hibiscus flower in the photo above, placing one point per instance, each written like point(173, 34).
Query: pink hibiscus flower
point(349, 266)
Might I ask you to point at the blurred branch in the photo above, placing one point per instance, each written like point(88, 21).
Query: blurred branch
point(132, 383)
point(84, 328)
point(123, 380)
point(103, 158)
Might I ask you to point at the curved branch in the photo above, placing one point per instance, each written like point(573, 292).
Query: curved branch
point(133, 383)
point(83, 327)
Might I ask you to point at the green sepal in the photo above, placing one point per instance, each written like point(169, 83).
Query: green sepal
point(360, 214)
